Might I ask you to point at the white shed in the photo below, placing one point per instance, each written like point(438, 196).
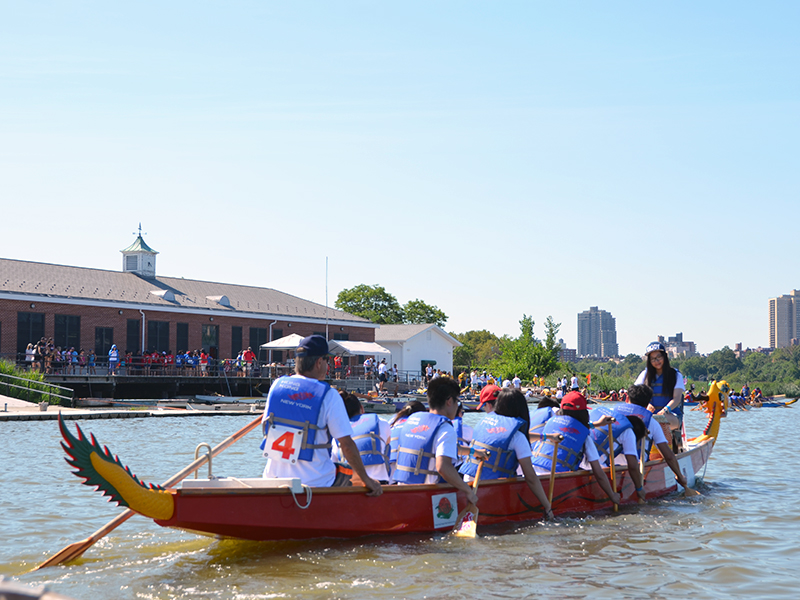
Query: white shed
point(413, 346)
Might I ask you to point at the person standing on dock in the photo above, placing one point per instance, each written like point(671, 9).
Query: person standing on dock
point(113, 360)
point(301, 416)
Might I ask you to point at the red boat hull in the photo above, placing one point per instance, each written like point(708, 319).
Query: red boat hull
point(273, 514)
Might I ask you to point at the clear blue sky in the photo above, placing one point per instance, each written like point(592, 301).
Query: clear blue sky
point(493, 159)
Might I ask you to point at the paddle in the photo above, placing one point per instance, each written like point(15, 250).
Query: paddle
point(75, 550)
point(611, 460)
point(467, 520)
point(553, 471)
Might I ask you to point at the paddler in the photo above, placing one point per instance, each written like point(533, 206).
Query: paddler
point(626, 433)
point(666, 383)
point(639, 401)
point(302, 411)
point(503, 434)
point(371, 435)
point(428, 445)
point(572, 422)
point(488, 398)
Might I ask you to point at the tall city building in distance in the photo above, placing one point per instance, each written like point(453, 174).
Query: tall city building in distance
point(597, 333)
point(784, 320)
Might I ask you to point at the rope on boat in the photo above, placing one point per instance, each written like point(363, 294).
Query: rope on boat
point(294, 496)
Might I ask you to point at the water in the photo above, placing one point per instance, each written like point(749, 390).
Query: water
point(739, 539)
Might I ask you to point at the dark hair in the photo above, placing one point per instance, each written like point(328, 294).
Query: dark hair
point(440, 389)
point(409, 409)
point(511, 403)
point(304, 364)
point(351, 403)
point(581, 416)
point(548, 402)
point(670, 375)
point(639, 430)
point(640, 395)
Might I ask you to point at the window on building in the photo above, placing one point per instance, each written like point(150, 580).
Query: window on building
point(258, 336)
point(210, 339)
point(158, 336)
point(133, 337)
point(30, 329)
point(103, 340)
point(344, 337)
point(236, 340)
point(182, 337)
point(67, 332)
point(132, 262)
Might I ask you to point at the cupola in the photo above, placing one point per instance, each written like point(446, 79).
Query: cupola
point(139, 258)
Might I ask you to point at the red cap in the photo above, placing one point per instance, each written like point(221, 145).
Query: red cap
point(488, 394)
point(573, 401)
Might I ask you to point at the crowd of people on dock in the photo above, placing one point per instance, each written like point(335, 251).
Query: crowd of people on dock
point(322, 436)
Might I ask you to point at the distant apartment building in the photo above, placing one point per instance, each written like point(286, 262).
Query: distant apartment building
point(784, 320)
point(597, 333)
point(566, 354)
point(676, 346)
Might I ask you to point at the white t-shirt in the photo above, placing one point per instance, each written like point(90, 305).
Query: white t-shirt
point(507, 383)
point(590, 453)
point(446, 444)
point(517, 382)
point(382, 368)
point(320, 471)
point(377, 472)
point(574, 383)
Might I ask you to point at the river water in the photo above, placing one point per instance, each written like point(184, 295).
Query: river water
point(741, 538)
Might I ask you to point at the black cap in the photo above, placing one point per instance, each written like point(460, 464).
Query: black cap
point(313, 345)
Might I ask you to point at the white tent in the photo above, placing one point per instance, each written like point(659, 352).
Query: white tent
point(289, 342)
point(343, 348)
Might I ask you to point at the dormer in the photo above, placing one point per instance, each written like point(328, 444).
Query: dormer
point(139, 258)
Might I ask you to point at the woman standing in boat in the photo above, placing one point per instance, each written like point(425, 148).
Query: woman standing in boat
point(666, 383)
point(503, 434)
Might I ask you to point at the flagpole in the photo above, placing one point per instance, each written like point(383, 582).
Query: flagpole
point(327, 337)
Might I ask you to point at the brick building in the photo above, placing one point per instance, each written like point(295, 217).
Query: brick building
point(138, 310)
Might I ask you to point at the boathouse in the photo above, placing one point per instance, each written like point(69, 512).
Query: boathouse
point(138, 310)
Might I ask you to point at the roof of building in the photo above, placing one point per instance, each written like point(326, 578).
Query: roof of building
point(404, 332)
point(57, 282)
point(139, 246)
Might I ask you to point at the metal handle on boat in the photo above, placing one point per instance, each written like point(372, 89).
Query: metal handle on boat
point(208, 454)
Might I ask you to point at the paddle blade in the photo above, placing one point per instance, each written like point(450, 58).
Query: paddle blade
point(67, 554)
point(467, 522)
point(688, 492)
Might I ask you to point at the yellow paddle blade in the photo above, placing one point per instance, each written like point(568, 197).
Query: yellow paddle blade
point(468, 524)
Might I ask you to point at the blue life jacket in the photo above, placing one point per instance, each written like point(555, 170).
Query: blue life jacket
point(600, 435)
point(539, 417)
point(659, 400)
point(629, 409)
point(415, 447)
point(458, 423)
point(367, 436)
point(178, 360)
point(570, 449)
point(296, 402)
point(494, 435)
point(394, 439)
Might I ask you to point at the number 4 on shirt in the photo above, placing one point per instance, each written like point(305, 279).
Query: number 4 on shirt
point(283, 443)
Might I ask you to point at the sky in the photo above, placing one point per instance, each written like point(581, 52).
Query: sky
point(493, 159)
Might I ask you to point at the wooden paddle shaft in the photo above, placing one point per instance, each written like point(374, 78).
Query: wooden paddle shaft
point(553, 473)
point(75, 550)
point(611, 459)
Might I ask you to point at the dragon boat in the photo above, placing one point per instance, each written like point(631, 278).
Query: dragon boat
point(284, 509)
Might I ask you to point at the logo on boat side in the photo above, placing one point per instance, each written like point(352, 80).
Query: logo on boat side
point(444, 509)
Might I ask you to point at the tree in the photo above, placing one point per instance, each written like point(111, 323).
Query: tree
point(526, 356)
point(417, 311)
point(372, 302)
point(722, 363)
point(478, 349)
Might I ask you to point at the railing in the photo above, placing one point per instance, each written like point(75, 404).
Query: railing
point(34, 391)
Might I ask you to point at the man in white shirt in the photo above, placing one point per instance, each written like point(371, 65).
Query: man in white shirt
point(517, 382)
point(296, 452)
